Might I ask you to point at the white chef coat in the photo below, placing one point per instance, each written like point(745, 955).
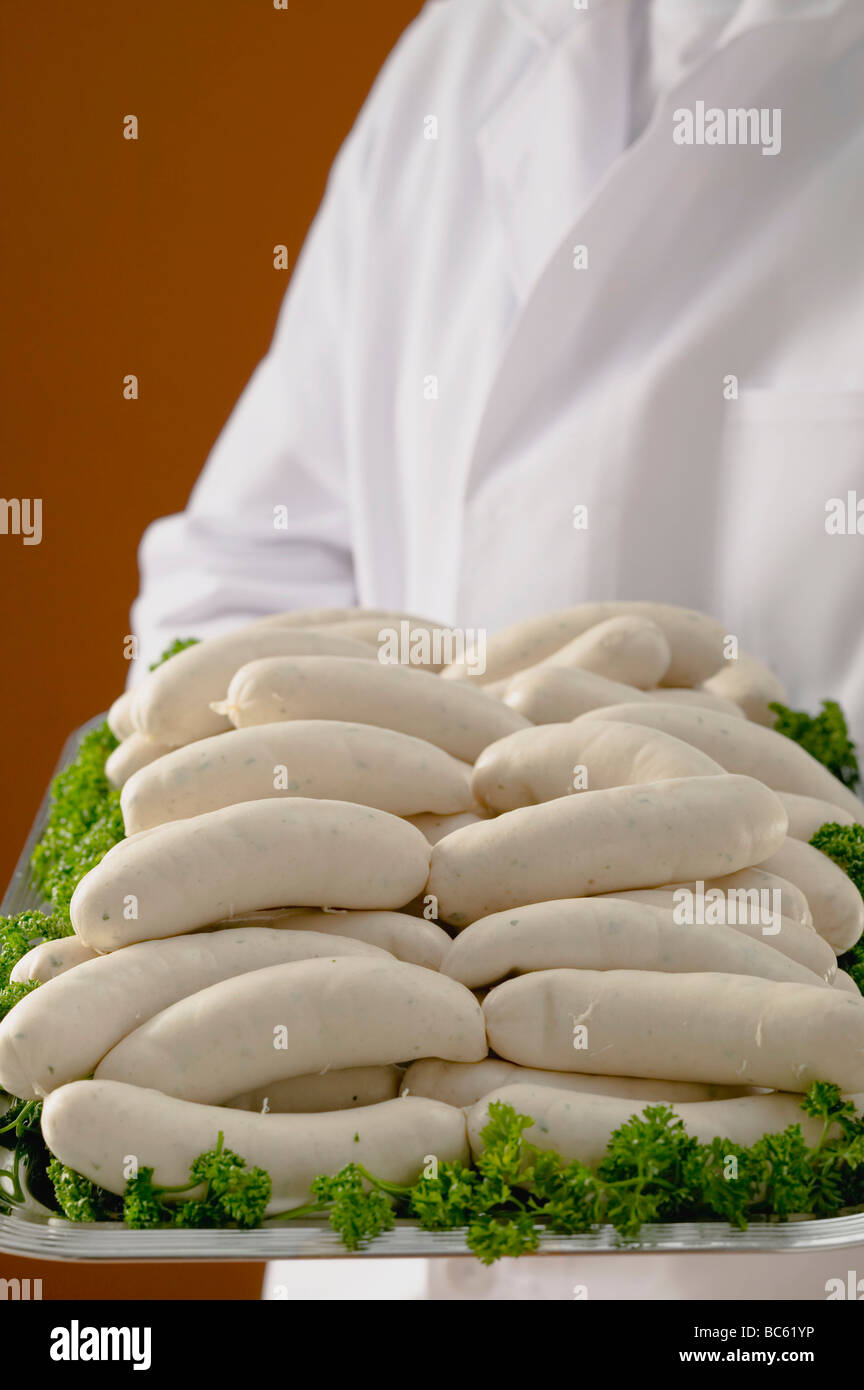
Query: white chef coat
point(521, 296)
point(668, 37)
point(444, 386)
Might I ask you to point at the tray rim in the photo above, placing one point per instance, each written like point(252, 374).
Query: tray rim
point(55, 1239)
point(61, 1241)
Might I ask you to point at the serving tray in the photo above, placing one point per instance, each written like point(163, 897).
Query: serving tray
point(52, 1238)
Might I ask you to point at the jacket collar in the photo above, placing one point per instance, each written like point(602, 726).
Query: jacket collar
point(547, 20)
point(629, 212)
point(546, 147)
point(547, 144)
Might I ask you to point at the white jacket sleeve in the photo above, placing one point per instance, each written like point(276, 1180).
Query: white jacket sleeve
point(267, 526)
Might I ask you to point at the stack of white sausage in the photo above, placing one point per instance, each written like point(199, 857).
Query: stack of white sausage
point(264, 953)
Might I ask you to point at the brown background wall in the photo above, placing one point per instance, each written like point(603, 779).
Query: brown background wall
point(153, 257)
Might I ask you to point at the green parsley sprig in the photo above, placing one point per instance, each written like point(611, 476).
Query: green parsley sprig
point(652, 1171)
point(18, 935)
point(233, 1194)
point(84, 821)
point(845, 845)
point(178, 645)
point(825, 736)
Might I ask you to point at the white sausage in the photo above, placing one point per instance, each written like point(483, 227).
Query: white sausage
point(172, 705)
point(807, 814)
point(695, 640)
point(543, 763)
point(547, 694)
point(579, 1127)
point(461, 718)
point(119, 717)
point(60, 1032)
point(320, 758)
point(701, 698)
point(435, 827)
point(93, 1126)
point(795, 940)
point(836, 904)
point(50, 959)
point(627, 649)
point(464, 1083)
point(844, 981)
point(332, 1090)
point(732, 1029)
point(738, 889)
point(793, 903)
point(408, 938)
point(289, 1020)
point(133, 753)
point(496, 688)
point(425, 641)
point(299, 851)
point(330, 617)
point(628, 837)
point(739, 746)
point(605, 934)
point(752, 685)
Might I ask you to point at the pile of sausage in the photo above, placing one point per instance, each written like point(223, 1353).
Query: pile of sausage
point(357, 901)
